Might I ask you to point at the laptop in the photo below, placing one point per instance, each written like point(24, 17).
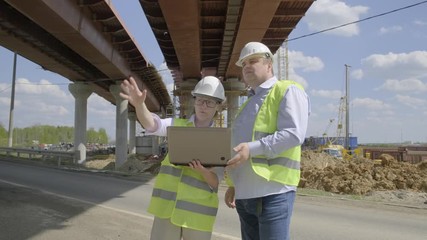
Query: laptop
point(212, 146)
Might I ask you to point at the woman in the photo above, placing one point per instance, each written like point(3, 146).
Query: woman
point(184, 199)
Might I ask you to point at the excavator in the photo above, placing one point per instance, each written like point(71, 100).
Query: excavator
point(329, 147)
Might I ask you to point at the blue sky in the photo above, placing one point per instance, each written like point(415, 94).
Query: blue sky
point(387, 56)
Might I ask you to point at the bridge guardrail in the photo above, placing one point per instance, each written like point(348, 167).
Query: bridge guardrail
point(33, 153)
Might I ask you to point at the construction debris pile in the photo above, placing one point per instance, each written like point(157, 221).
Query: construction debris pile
point(361, 176)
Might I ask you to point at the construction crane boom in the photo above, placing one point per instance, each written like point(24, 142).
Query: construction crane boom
point(325, 133)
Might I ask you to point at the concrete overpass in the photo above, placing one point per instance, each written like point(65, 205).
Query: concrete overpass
point(86, 42)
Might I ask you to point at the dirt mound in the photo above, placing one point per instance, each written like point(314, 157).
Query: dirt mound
point(139, 163)
point(360, 176)
point(98, 162)
point(135, 164)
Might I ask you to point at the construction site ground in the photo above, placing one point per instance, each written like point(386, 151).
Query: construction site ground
point(385, 180)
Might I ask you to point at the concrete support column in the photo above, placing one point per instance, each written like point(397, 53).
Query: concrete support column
point(233, 89)
point(121, 126)
point(81, 93)
point(186, 105)
point(186, 100)
point(232, 106)
point(132, 132)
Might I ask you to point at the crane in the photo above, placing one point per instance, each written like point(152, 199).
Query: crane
point(332, 145)
point(325, 133)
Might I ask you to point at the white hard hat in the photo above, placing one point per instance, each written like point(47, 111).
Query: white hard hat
point(209, 86)
point(254, 48)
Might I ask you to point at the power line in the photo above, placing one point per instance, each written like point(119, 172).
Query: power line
point(2, 90)
point(358, 21)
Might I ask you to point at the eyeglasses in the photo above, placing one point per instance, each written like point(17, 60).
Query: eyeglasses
point(209, 103)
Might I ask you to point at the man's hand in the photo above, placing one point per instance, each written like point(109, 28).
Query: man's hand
point(242, 155)
point(229, 197)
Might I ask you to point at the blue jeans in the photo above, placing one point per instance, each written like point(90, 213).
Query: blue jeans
point(266, 218)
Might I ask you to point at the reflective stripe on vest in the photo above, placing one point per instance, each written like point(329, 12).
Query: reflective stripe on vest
point(165, 169)
point(194, 207)
point(196, 183)
point(167, 195)
point(282, 161)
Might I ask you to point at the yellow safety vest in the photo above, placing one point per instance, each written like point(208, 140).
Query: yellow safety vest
point(182, 194)
point(285, 168)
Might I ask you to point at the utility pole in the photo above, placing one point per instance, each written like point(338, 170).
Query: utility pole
point(347, 109)
point(280, 62)
point(12, 102)
point(287, 59)
point(283, 61)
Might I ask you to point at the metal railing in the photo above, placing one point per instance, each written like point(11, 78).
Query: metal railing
point(35, 154)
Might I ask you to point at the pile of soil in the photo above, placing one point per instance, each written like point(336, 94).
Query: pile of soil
point(139, 163)
point(135, 164)
point(361, 176)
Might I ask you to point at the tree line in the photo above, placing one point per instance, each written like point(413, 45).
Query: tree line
point(45, 134)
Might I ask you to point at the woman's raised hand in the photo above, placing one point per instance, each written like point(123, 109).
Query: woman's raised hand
point(131, 92)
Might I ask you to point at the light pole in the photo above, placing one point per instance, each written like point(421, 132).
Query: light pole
point(347, 109)
point(12, 102)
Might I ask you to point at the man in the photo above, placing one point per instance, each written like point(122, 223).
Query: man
point(267, 134)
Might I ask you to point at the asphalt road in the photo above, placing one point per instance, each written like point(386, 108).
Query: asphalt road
point(43, 203)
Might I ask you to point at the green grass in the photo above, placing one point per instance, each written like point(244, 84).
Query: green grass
point(315, 192)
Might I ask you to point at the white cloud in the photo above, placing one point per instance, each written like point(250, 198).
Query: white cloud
point(39, 102)
point(96, 100)
point(356, 74)
point(100, 110)
point(44, 108)
point(405, 85)
point(44, 87)
point(392, 29)
point(102, 113)
point(335, 94)
point(369, 103)
point(297, 78)
point(330, 107)
point(420, 23)
point(4, 87)
point(298, 60)
point(396, 65)
point(324, 14)
point(411, 101)
point(4, 101)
